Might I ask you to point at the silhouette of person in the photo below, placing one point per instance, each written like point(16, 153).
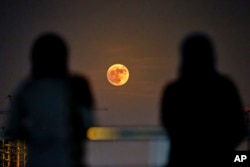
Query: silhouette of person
point(201, 110)
point(52, 109)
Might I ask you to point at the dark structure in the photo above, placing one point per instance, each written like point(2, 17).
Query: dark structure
point(201, 111)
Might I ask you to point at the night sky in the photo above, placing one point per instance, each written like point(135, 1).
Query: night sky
point(144, 35)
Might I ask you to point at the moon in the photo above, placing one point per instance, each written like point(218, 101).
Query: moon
point(117, 74)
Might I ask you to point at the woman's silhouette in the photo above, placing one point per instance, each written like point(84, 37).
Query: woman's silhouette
point(51, 109)
point(201, 111)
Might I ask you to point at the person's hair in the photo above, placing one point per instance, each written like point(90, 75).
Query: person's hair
point(197, 53)
point(49, 56)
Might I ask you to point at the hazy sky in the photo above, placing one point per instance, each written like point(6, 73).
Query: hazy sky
point(144, 35)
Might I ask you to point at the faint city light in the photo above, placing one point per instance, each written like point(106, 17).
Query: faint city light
point(102, 133)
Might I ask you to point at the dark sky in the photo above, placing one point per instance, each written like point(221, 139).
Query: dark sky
point(144, 35)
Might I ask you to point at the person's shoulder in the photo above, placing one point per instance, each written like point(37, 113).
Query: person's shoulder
point(226, 83)
point(171, 86)
point(22, 88)
point(225, 79)
point(77, 79)
point(24, 84)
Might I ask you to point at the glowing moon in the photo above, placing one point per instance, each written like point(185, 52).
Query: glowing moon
point(117, 74)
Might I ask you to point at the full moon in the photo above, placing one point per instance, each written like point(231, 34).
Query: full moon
point(117, 74)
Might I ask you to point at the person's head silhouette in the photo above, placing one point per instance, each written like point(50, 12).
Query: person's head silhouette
point(49, 56)
point(197, 54)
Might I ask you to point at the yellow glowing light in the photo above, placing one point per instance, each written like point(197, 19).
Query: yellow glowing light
point(102, 133)
point(117, 74)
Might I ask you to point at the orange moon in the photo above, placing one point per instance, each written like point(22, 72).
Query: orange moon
point(117, 74)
